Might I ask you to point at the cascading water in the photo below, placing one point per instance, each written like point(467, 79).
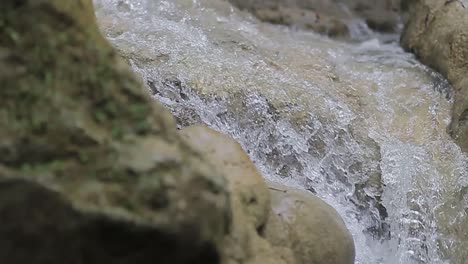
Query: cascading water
point(361, 125)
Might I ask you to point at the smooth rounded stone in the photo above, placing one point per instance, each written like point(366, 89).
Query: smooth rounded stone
point(437, 32)
point(292, 227)
point(326, 17)
point(97, 163)
point(250, 198)
point(311, 228)
point(244, 181)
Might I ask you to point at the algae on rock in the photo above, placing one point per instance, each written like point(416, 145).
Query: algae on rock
point(80, 135)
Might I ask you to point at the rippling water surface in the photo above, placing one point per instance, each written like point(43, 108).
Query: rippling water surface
point(361, 125)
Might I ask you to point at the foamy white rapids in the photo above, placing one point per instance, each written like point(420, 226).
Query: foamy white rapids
point(361, 125)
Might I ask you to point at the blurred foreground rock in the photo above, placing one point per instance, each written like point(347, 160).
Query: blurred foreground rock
point(92, 171)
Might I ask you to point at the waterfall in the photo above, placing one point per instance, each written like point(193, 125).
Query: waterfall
point(361, 125)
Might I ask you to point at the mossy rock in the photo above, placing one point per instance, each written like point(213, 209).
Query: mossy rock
point(79, 131)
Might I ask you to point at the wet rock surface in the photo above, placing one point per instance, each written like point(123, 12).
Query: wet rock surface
point(272, 223)
point(312, 229)
point(332, 18)
point(437, 32)
point(361, 125)
point(341, 120)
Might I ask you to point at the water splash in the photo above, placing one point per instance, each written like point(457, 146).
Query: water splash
point(361, 125)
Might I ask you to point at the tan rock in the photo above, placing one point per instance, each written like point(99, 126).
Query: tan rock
point(250, 197)
point(86, 159)
point(312, 229)
point(246, 183)
point(300, 229)
point(437, 32)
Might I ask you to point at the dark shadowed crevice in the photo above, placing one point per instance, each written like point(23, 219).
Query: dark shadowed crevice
point(39, 226)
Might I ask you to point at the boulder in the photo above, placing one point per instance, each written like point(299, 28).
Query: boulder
point(250, 197)
point(271, 224)
point(245, 182)
point(91, 170)
point(311, 228)
point(437, 32)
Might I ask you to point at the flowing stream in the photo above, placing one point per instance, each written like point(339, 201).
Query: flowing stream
point(362, 125)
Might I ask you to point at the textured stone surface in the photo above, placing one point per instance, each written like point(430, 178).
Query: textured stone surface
point(250, 198)
point(312, 229)
point(86, 158)
point(437, 32)
point(292, 227)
